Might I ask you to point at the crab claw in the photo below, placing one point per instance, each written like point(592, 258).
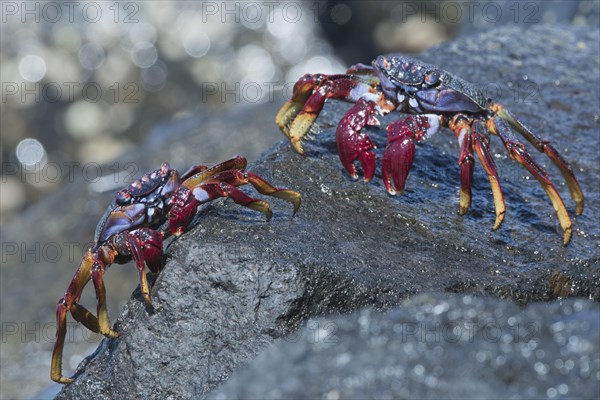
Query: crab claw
point(398, 157)
point(184, 206)
point(352, 143)
point(399, 154)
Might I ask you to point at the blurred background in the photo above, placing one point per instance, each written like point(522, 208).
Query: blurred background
point(96, 93)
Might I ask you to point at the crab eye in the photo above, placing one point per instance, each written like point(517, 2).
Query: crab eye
point(164, 168)
point(383, 63)
point(122, 197)
point(432, 78)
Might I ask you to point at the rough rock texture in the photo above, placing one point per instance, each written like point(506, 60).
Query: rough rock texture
point(234, 283)
point(434, 347)
point(53, 234)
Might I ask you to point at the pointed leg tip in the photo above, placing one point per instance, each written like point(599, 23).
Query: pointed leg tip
point(177, 232)
point(280, 124)
point(499, 220)
point(567, 236)
point(296, 207)
point(112, 334)
point(464, 202)
point(351, 170)
point(392, 191)
point(284, 130)
point(578, 210)
point(64, 380)
point(147, 300)
point(297, 145)
point(286, 114)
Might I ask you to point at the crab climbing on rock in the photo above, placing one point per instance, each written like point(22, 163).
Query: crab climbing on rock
point(134, 225)
point(435, 98)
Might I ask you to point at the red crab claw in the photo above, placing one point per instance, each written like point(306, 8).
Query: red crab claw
point(146, 246)
point(183, 210)
point(399, 154)
point(151, 242)
point(398, 158)
point(352, 143)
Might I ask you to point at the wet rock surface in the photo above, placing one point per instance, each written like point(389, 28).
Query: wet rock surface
point(42, 248)
point(234, 283)
point(434, 346)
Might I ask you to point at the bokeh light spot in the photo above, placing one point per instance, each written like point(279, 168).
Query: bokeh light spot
point(341, 14)
point(91, 56)
point(32, 68)
point(30, 152)
point(144, 54)
point(196, 44)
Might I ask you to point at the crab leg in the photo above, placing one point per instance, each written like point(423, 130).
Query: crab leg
point(544, 146)
point(480, 144)
point(461, 126)
point(240, 177)
point(61, 331)
point(361, 69)
point(303, 89)
point(310, 93)
point(186, 201)
point(138, 257)
point(518, 152)
point(195, 180)
point(209, 184)
point(267, 189)
point(98, 269)
point(68, 303)
point(211, 191)
point(193, 170)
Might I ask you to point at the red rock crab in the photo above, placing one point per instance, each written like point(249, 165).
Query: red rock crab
point(436, 99)
point(158, 204)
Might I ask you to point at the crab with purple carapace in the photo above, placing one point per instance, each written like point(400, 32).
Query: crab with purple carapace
point(159, 204)
point(434, 98)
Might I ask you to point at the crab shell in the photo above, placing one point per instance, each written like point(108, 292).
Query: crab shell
point(430, 89)
point(142, 203)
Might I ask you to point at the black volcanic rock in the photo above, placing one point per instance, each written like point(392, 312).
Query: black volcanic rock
point(234, 283)
point(434, 346)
